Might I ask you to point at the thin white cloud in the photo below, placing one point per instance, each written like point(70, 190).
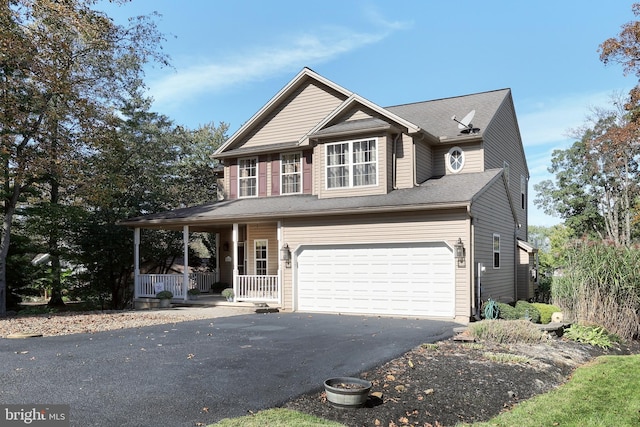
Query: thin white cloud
point(551, 120)
point(262, 62)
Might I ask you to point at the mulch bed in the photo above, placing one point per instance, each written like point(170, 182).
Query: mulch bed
point(453, 382)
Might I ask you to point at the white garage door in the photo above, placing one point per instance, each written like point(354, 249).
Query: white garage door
point(393, 279)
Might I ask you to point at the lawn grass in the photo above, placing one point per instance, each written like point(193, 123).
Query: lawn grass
point(277, 418)
point(603, 393)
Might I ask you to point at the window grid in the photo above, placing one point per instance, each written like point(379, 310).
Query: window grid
point(261, 257)
point(455, 159)
point(291, 173)
point(247, 177)
point(352, 164)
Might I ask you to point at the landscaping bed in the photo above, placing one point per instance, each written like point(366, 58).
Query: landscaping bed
point(455, 382)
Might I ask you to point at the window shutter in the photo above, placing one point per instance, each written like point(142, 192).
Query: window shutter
point(275, 175)
point(233, 180)
point(262, 176)
point(307, 173)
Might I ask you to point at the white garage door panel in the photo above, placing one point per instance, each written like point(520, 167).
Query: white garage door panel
point(402, 279)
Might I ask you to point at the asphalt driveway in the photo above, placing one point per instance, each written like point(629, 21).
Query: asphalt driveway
point(166, 375)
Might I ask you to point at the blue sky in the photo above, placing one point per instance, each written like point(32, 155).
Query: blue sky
point(230, 57)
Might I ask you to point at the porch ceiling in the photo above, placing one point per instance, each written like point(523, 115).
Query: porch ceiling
point(447, 192)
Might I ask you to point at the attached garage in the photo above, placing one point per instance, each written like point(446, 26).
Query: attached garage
point(403, 279)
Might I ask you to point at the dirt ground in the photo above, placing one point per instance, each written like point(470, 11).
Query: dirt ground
point(453, 382)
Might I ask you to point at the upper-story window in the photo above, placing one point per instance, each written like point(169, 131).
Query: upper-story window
point(291, 173)
point(523, 191)
point(352, 163)
point(247, 177)
point(455, 159)
point(496, 250)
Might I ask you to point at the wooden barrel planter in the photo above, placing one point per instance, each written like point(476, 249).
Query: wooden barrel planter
point(347, 392)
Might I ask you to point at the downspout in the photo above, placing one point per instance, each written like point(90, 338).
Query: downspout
point(515, 261)
point(471, 266)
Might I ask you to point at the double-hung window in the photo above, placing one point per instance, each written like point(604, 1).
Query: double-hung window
point(352, 163)
point(291, 173)
point(496, 250)
point(248, 177)
point(261, 257)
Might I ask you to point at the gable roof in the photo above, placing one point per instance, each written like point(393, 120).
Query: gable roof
point(302, 77)
point(449, 191)
point(356, 100)
point(436, 116)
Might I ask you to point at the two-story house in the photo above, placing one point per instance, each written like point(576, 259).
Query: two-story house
point(332, 203)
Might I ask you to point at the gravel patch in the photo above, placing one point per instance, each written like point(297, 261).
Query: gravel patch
point(67, 323)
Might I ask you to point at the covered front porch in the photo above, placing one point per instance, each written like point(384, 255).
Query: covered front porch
point(247, 259)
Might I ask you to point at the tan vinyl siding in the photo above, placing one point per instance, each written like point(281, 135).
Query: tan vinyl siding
point(296, 116)
point(472, 158)
point(424, 161)
point(404, 162)
point(382, 228)
point(492, 214)
point(503, 143)
point(357, 115)
point(262, 231)
point(320, 181)
point(525, 283)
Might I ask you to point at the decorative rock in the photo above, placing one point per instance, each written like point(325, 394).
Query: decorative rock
point(377, 394)
point(557, 317)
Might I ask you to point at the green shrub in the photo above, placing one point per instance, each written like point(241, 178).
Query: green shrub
point(546, 310)
point(526, 310)
point(506, 311)
point(592, 335)
point(164, 295)
point(502, 331)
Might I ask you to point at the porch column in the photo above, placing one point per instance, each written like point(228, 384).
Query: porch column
point(185, 272)
point(280, 269)
point(218, 259)
point(136, 261)
point(235, 260)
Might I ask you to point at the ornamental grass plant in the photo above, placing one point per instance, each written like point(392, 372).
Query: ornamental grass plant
point(601, 286)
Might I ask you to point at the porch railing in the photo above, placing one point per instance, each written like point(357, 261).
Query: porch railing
point(257, 288)
point(147, 283)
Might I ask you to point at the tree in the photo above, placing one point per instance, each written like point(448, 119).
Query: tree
point(625, 50)
point(62, 66)
point(598, 196)
point(146, 164)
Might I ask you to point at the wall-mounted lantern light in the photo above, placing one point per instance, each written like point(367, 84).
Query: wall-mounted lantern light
point(458, 252)
point(285, 255)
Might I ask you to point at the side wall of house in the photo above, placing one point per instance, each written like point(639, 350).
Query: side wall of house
point(472, 158)
point(492, 215)
point(405, 162)
point(423, 226)
point(526, 263)
point(503, 143)
point(424, 161)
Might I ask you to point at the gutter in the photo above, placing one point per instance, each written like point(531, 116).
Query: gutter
point(194, 221)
